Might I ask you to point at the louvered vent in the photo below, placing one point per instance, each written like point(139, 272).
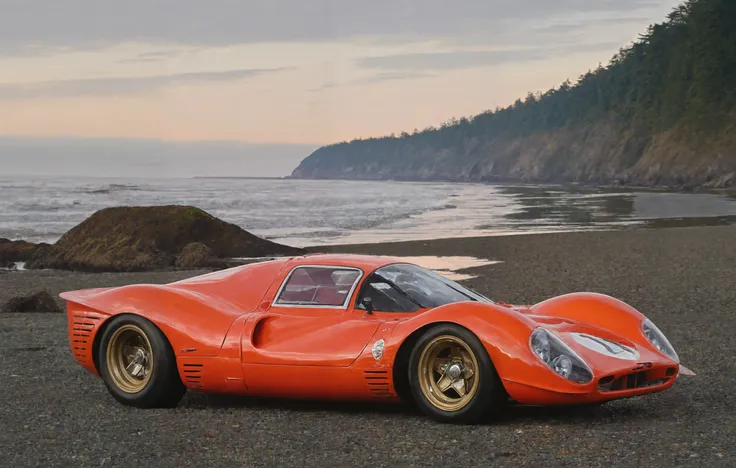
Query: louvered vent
point(193, 374)
point(378, 382)
point(630, 381)
point(81, 335)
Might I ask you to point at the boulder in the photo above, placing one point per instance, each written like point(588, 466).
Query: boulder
point(17, 251)
point(197, 255)
point(38, 302)
point(143, 238)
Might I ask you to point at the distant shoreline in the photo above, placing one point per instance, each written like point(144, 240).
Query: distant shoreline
point(509, 182)
point(514, 182)
point(237, 177)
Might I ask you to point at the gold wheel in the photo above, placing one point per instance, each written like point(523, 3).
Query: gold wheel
point(130, 358)
point(448, 373)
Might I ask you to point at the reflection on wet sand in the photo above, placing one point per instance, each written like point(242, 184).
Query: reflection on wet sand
point(608, 208)
point(690, 222)
point(576, 207)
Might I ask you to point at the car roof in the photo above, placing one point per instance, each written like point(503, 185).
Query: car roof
point(367, 263)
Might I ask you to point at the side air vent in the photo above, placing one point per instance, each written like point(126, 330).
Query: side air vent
point(81, 335)
point(377, 382)
point(193, 375)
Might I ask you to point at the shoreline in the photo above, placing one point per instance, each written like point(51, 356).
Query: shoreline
point(467, 209)
point(728, 189)
point(510, 182)
point(644, 224)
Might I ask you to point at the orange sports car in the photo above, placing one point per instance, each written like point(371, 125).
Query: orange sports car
point(355, 327)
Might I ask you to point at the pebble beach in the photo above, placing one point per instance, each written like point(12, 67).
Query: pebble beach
point(55, 414)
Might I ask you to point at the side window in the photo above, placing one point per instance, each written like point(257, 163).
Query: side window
point(318, 286)
point(385, 297)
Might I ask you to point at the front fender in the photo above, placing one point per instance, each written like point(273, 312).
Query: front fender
point(596, 310)
point(505, 336)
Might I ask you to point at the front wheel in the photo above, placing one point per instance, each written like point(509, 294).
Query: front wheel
point(452, 377)
point(138, 365)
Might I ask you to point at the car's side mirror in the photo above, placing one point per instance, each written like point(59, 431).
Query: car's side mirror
point(368, 304)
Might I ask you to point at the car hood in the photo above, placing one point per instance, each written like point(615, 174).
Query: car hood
point(592, 345)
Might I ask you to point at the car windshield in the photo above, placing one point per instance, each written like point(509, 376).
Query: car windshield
point(424, 287)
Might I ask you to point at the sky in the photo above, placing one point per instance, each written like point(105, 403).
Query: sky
point(290, 75)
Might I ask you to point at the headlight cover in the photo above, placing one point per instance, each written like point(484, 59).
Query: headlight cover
point(657, 338)
point(559, 357)
point(606, 347)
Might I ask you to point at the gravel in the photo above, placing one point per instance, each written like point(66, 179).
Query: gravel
point(53, 413)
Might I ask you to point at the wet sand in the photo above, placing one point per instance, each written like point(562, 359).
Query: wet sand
point(54, 414)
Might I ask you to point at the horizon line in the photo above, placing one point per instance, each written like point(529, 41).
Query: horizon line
point(153, 140)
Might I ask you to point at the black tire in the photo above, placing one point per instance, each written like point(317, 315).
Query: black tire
point(164, 388)
point(489, 396)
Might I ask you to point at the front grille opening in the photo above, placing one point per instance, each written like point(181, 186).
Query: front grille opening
point(605, 380)
point(628, 382)
point(671, 371)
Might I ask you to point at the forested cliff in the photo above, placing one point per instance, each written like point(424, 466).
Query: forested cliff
point(662, 112)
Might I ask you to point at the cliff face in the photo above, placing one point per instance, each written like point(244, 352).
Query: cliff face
point(662, 112)
point(602, 152)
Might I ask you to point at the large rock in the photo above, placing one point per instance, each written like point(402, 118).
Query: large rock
point(149, 238)
point(197, 255)
point(17, 251)
point(38, 302)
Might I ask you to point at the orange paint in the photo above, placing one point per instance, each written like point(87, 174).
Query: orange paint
point(230, 334)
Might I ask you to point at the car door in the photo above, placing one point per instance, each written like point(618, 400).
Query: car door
point(311, 321)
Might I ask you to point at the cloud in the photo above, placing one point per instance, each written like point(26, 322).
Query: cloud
point(119, 85)
point(567, 27)
point(33, 25)
point(449, 60)
point(152, 57)
point(394, 76)
point(375, 78)
point(324, 87)
point(460, 59)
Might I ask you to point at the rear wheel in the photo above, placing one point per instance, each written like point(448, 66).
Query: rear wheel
point(138, 365)
point(452, 377)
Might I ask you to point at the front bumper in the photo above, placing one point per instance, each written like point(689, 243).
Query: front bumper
point(624, 383)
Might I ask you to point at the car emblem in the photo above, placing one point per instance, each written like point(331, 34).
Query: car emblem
point(377, 350)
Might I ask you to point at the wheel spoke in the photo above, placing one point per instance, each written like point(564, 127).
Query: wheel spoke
point(459, 386)
point(444, 383)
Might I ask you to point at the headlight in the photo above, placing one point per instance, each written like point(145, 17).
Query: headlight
point(657, 338)
point(559, 357)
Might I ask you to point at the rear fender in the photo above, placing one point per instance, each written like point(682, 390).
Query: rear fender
point(194, 324)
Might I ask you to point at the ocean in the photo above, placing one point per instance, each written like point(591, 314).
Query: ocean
point(310, 212)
